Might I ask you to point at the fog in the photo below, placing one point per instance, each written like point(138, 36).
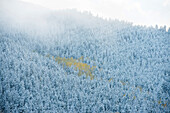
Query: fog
point(140, 12)
point(23, 16)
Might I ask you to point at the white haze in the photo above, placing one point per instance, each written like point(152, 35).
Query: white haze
point(21, 13)
point(143, 12)
point(36, 16)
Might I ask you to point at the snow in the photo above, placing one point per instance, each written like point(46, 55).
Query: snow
point(132, 65)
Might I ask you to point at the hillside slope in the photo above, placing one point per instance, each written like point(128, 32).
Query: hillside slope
point(131, 63)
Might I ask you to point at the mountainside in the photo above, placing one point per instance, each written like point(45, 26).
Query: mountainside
point(67, 61)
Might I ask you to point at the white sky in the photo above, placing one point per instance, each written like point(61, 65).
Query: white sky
point(143, 12)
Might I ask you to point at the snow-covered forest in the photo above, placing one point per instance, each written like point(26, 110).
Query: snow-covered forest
point(69, 61)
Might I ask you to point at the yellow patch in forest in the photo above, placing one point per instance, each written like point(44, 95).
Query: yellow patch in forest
point(110, 79)
point(164, 105)
point(123, 83)
point(83, 68)
point(134, 97)
point(140, 88)
point(159, 102)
